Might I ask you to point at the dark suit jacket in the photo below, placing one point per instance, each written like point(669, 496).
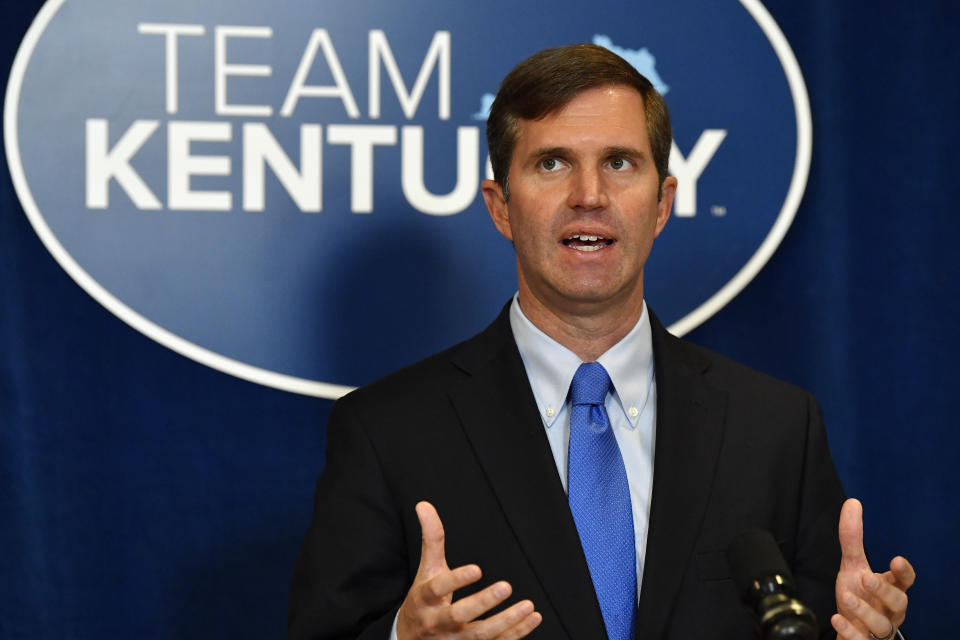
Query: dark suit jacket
point(734, 449)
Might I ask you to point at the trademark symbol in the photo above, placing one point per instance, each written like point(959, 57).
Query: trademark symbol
point(718, 211)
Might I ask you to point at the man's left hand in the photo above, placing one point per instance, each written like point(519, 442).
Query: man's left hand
point(867, 602)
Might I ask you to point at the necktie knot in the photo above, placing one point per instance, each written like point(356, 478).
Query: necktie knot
point(590, 385)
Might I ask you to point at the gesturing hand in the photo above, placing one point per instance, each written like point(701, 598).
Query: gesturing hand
point(429, 610)
point(867, 602)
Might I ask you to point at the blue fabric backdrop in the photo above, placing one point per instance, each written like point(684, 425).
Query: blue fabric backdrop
point(144, 495)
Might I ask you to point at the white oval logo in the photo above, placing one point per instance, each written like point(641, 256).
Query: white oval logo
point(292, 197)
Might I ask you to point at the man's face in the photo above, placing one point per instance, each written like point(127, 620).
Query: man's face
point(583, 209)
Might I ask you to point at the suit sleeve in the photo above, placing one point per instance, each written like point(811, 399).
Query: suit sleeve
point(817, 557)
point(352, 570)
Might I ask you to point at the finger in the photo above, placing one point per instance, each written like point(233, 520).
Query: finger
point(472, 607)
point(505, 623)
point(524, 627)
point(903, 572)
point(432, 555)
point(890, 596)
point(845, 628)
point(873, 620)
point(437, 588)
point(851, 533)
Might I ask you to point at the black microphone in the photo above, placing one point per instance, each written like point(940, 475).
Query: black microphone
point(766, 586)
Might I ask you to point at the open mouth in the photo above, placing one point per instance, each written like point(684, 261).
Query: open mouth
point(584, 242)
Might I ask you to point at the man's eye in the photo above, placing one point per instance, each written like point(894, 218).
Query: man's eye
point(550, 164)
point(619, 164)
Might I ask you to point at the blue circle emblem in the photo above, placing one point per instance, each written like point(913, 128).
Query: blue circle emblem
point(292, 196)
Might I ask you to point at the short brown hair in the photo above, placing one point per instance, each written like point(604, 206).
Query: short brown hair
point(547, 81)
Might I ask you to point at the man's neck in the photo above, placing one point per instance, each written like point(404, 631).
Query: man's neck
point(587, 329)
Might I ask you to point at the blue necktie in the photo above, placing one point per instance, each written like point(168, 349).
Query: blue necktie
point(600, 501)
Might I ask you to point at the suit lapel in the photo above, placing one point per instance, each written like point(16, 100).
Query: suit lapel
point(498, 414)
point(690, 418)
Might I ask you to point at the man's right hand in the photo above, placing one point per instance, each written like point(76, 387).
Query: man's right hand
point(429, 610)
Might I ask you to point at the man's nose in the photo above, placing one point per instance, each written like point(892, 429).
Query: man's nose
point(587, 189)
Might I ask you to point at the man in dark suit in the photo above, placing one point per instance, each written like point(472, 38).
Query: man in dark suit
point(480, 434)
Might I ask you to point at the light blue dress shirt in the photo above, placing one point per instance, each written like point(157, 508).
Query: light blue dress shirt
point(631, 407)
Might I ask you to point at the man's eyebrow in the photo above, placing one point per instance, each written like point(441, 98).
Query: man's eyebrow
point(630, 152)
point(550, 151)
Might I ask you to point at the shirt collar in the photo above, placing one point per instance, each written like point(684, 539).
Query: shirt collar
point(550, 366)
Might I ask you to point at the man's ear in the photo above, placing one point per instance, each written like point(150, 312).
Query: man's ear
point(497, 206)
point(667, 191)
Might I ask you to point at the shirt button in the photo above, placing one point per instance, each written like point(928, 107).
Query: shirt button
point(549, 412)
point(633, 412)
